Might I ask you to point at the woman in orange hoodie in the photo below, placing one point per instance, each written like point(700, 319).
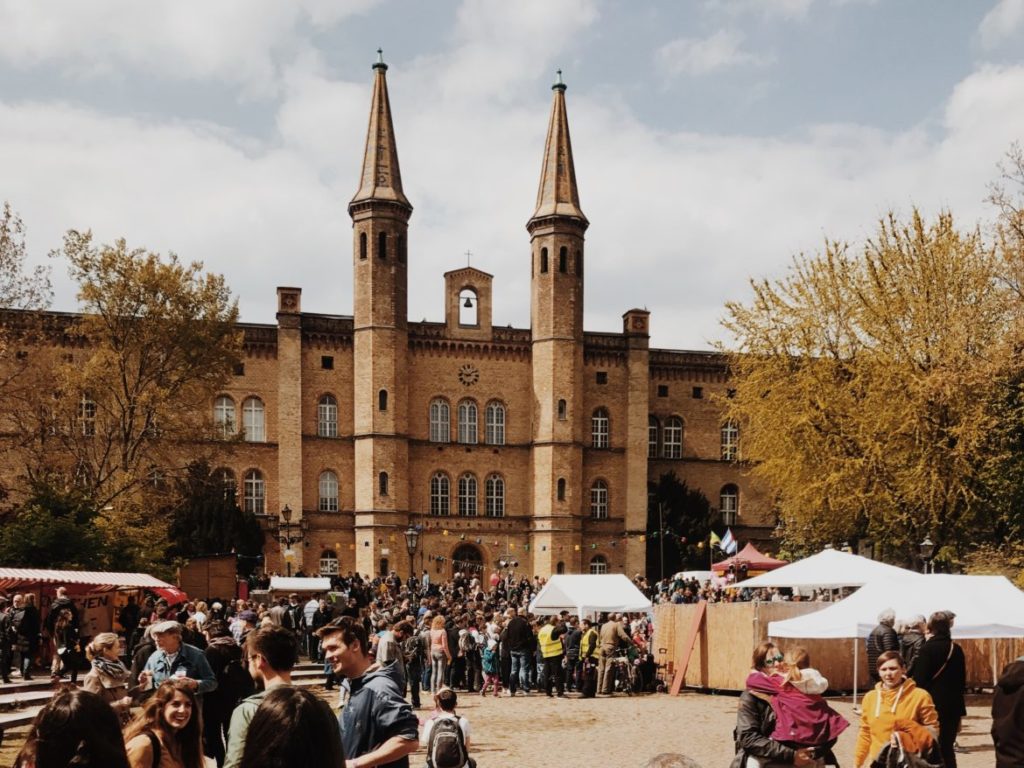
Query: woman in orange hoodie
point(895, 708)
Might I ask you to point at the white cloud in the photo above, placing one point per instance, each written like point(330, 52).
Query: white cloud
point(238, 42)
point(1002, 23)
point(701, 56)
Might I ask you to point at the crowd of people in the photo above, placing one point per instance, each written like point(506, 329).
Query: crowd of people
point(194, 680)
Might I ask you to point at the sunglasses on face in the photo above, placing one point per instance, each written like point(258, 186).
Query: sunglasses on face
point(774, 659)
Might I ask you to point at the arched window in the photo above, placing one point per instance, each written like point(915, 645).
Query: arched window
point(440, 494)
point(599, 428)
point(254, 420)
point(440, 424)
point(254, 492)
point(362, 245)
point(382, 245)
point(467, 495)
point(467, 422)
point(563, 259)
point(87, 414)
point(560, 489)
point(563, 410)
point(382, 400)
point(328, 492)
point(652, 437)
point(469, 308)
point(599, 500)
point(327, 416)
point(382, 483)
point(730, 441)
point(495, 493)
point(494, 431)
point(543, 260)
point(672, 438)
point(729, 503)
point(401, 248)
point(560, 568)
point(598, 564)
point(328, 563)
point(224, 416)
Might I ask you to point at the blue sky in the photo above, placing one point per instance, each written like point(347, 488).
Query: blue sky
point(714, 139)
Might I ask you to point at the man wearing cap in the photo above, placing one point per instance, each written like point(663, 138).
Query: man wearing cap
point(174, 658)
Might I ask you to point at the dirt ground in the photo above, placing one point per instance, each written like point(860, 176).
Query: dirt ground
point(626, 732)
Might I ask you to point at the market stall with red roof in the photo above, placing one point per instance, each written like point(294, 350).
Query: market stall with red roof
point(755, 561)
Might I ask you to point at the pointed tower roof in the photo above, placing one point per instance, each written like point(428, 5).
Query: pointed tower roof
point(558, 194)
point(381, 179)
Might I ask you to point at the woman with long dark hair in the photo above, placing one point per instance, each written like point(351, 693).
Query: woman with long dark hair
point(293, 729)
point(169, 730)
point(75, 728)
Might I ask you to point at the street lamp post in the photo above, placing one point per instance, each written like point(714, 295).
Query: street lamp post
point(285, 535)
point(661, 536)
point(927, 548)
point(412, 538)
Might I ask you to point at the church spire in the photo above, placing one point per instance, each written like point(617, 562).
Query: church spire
point(557, 194)
point(381, 180)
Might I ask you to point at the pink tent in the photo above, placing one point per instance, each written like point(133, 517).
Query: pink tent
point(754, 560)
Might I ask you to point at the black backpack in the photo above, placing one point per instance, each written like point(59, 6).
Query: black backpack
point(236, 681)
point(447, 748)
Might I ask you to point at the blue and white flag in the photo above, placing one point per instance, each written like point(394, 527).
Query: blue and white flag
point(728, 543)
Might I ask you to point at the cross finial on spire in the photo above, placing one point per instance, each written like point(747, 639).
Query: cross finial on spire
point(380, 60)
point(468, 255)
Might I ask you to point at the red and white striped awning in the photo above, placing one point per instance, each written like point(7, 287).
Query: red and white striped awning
point(14, 578)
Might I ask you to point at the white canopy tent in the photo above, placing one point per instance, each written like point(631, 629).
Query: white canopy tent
point(299, 584)
point(589, 594)
point(829, 569)
point(985, 606)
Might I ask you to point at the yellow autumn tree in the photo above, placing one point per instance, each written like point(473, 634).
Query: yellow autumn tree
point(874, 383)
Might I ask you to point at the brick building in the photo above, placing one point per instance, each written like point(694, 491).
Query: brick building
point(535, 445)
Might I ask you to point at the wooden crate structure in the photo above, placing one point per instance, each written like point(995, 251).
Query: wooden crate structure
point(721, 656)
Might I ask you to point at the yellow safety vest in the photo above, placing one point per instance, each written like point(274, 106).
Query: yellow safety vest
point(590, 638)
point(549, 647)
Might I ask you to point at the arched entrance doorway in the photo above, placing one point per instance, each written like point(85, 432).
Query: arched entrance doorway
point(468, 559)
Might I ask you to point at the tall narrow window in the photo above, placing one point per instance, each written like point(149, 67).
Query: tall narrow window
point(400, 247)
point(598, 564)
point(328, 492)
point(362, 245)
point(382, 483)
point(495, 492)
point(730, 441)
point(440, 494)
point(543, 260)
point(563, 259)
point(254, 422)
point(224, 416)
point(579, 263)
point(254, 492)
point(672, 439)
point(382, 245)
point(467, 495)
point(494, 434)
point(599, 500)
point(382, 400)
point(729, 503)
point(469, 308)
point(87, 415)
point(467, 422)
point(228, 483)
point(563, 410)
point(560, 492)
point(440, 423)
point(652, 437)
point(329, 563)
point(599, 428)
point(327, 416)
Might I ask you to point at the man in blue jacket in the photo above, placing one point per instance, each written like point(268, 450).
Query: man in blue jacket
point(378, 727)
point(174, 658)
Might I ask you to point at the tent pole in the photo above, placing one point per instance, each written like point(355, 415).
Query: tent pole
point(856, 655)
point(995, 662)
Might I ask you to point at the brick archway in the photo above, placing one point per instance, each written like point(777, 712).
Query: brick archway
point(469, 559)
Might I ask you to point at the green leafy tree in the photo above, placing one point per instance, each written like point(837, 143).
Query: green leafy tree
point(875, 388)
point(55, 527)
point(206, 519)
point(679, 521)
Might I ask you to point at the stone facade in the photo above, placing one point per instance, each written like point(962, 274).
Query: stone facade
point(360, 399)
